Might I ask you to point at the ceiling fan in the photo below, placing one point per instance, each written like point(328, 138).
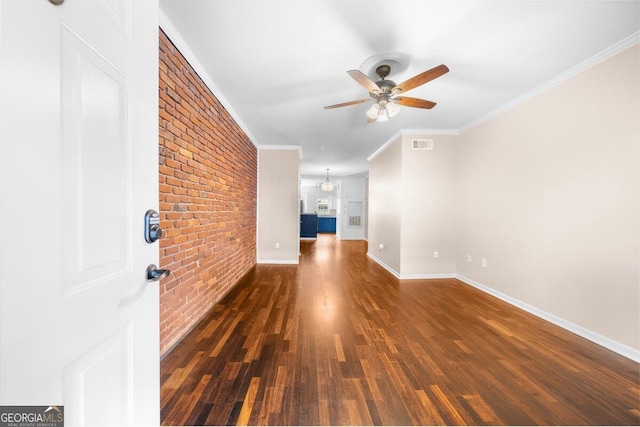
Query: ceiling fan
point(387, 94)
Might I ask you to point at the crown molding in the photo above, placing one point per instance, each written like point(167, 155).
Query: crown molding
point(385, 145)
point(572, 72)
point(403, 132)
point(190, 57)
point(282, 147)
point(429, 132)
point(181, 45)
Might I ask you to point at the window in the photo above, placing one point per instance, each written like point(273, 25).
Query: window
point(323, 206)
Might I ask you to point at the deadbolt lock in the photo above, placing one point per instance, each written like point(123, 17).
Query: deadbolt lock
point(152, 230)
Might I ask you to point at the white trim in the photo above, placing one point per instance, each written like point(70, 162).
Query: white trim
point(309, 238)
point(282, 147)
point(428, 276)
point(621, 349)
point(430, 132)
point(383, 265)
point(413, 132)
point(278, 261)
point(385, 145)
point(190, 57)
point(572, 72)
point(181, 45)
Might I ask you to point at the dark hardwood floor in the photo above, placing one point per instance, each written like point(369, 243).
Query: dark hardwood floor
point(337, 340)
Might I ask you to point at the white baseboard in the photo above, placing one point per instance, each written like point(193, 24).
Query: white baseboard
point(411, 276)
point(383, 265)
point(428, 276)
point(278, 261)
point(621, 349)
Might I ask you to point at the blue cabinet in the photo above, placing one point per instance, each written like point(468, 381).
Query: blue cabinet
point(309, 225)
point(326, 224)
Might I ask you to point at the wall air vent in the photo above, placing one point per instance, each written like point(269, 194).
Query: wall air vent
point(422, 144)
point(355, 221)
point(355, 214)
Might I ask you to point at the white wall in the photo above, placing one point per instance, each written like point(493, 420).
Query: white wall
point(317, 193)
point(278, 206)
point(549, 195)
point(351, 190)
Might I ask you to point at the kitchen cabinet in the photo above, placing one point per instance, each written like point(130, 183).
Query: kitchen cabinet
point(309, 225)
point(326, 224)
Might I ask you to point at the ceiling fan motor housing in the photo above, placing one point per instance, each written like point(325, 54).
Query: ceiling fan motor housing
point(386, 86)
point(383, 71)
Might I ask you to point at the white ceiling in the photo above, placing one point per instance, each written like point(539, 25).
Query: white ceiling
point(278, 62)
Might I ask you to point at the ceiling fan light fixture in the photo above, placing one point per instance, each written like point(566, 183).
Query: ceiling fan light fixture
point(372, 112)
point(382, 115)
point(392, 109)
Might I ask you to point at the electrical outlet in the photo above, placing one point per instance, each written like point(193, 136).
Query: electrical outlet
point(381, 247)
point(468, 258)
point(435, 254)
point(277, 245)
point(484, 263)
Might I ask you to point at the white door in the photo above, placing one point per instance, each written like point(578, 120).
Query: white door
point(78, 170)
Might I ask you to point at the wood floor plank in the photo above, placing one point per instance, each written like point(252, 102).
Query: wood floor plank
point(248, 403)
point(483, 410)
point(457, 415)
point(337, 340)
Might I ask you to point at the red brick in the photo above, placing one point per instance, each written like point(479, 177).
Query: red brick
point(210, 234)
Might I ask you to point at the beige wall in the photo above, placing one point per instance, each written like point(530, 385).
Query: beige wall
point(384, 206)
point(547, 192)
point(411, 207)
point(278, 216)
point(549, 195)
point(428, 197)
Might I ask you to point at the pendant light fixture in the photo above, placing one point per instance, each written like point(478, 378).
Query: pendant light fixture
point(327, 185)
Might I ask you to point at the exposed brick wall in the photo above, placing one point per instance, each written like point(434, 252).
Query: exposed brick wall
point(208, 174)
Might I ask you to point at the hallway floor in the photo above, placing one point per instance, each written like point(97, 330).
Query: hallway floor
point(337, 340)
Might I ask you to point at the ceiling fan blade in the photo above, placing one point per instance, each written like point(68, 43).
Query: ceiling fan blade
point(421, 78)
point(414, 102)
point(344, 104)
point(365, 81)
